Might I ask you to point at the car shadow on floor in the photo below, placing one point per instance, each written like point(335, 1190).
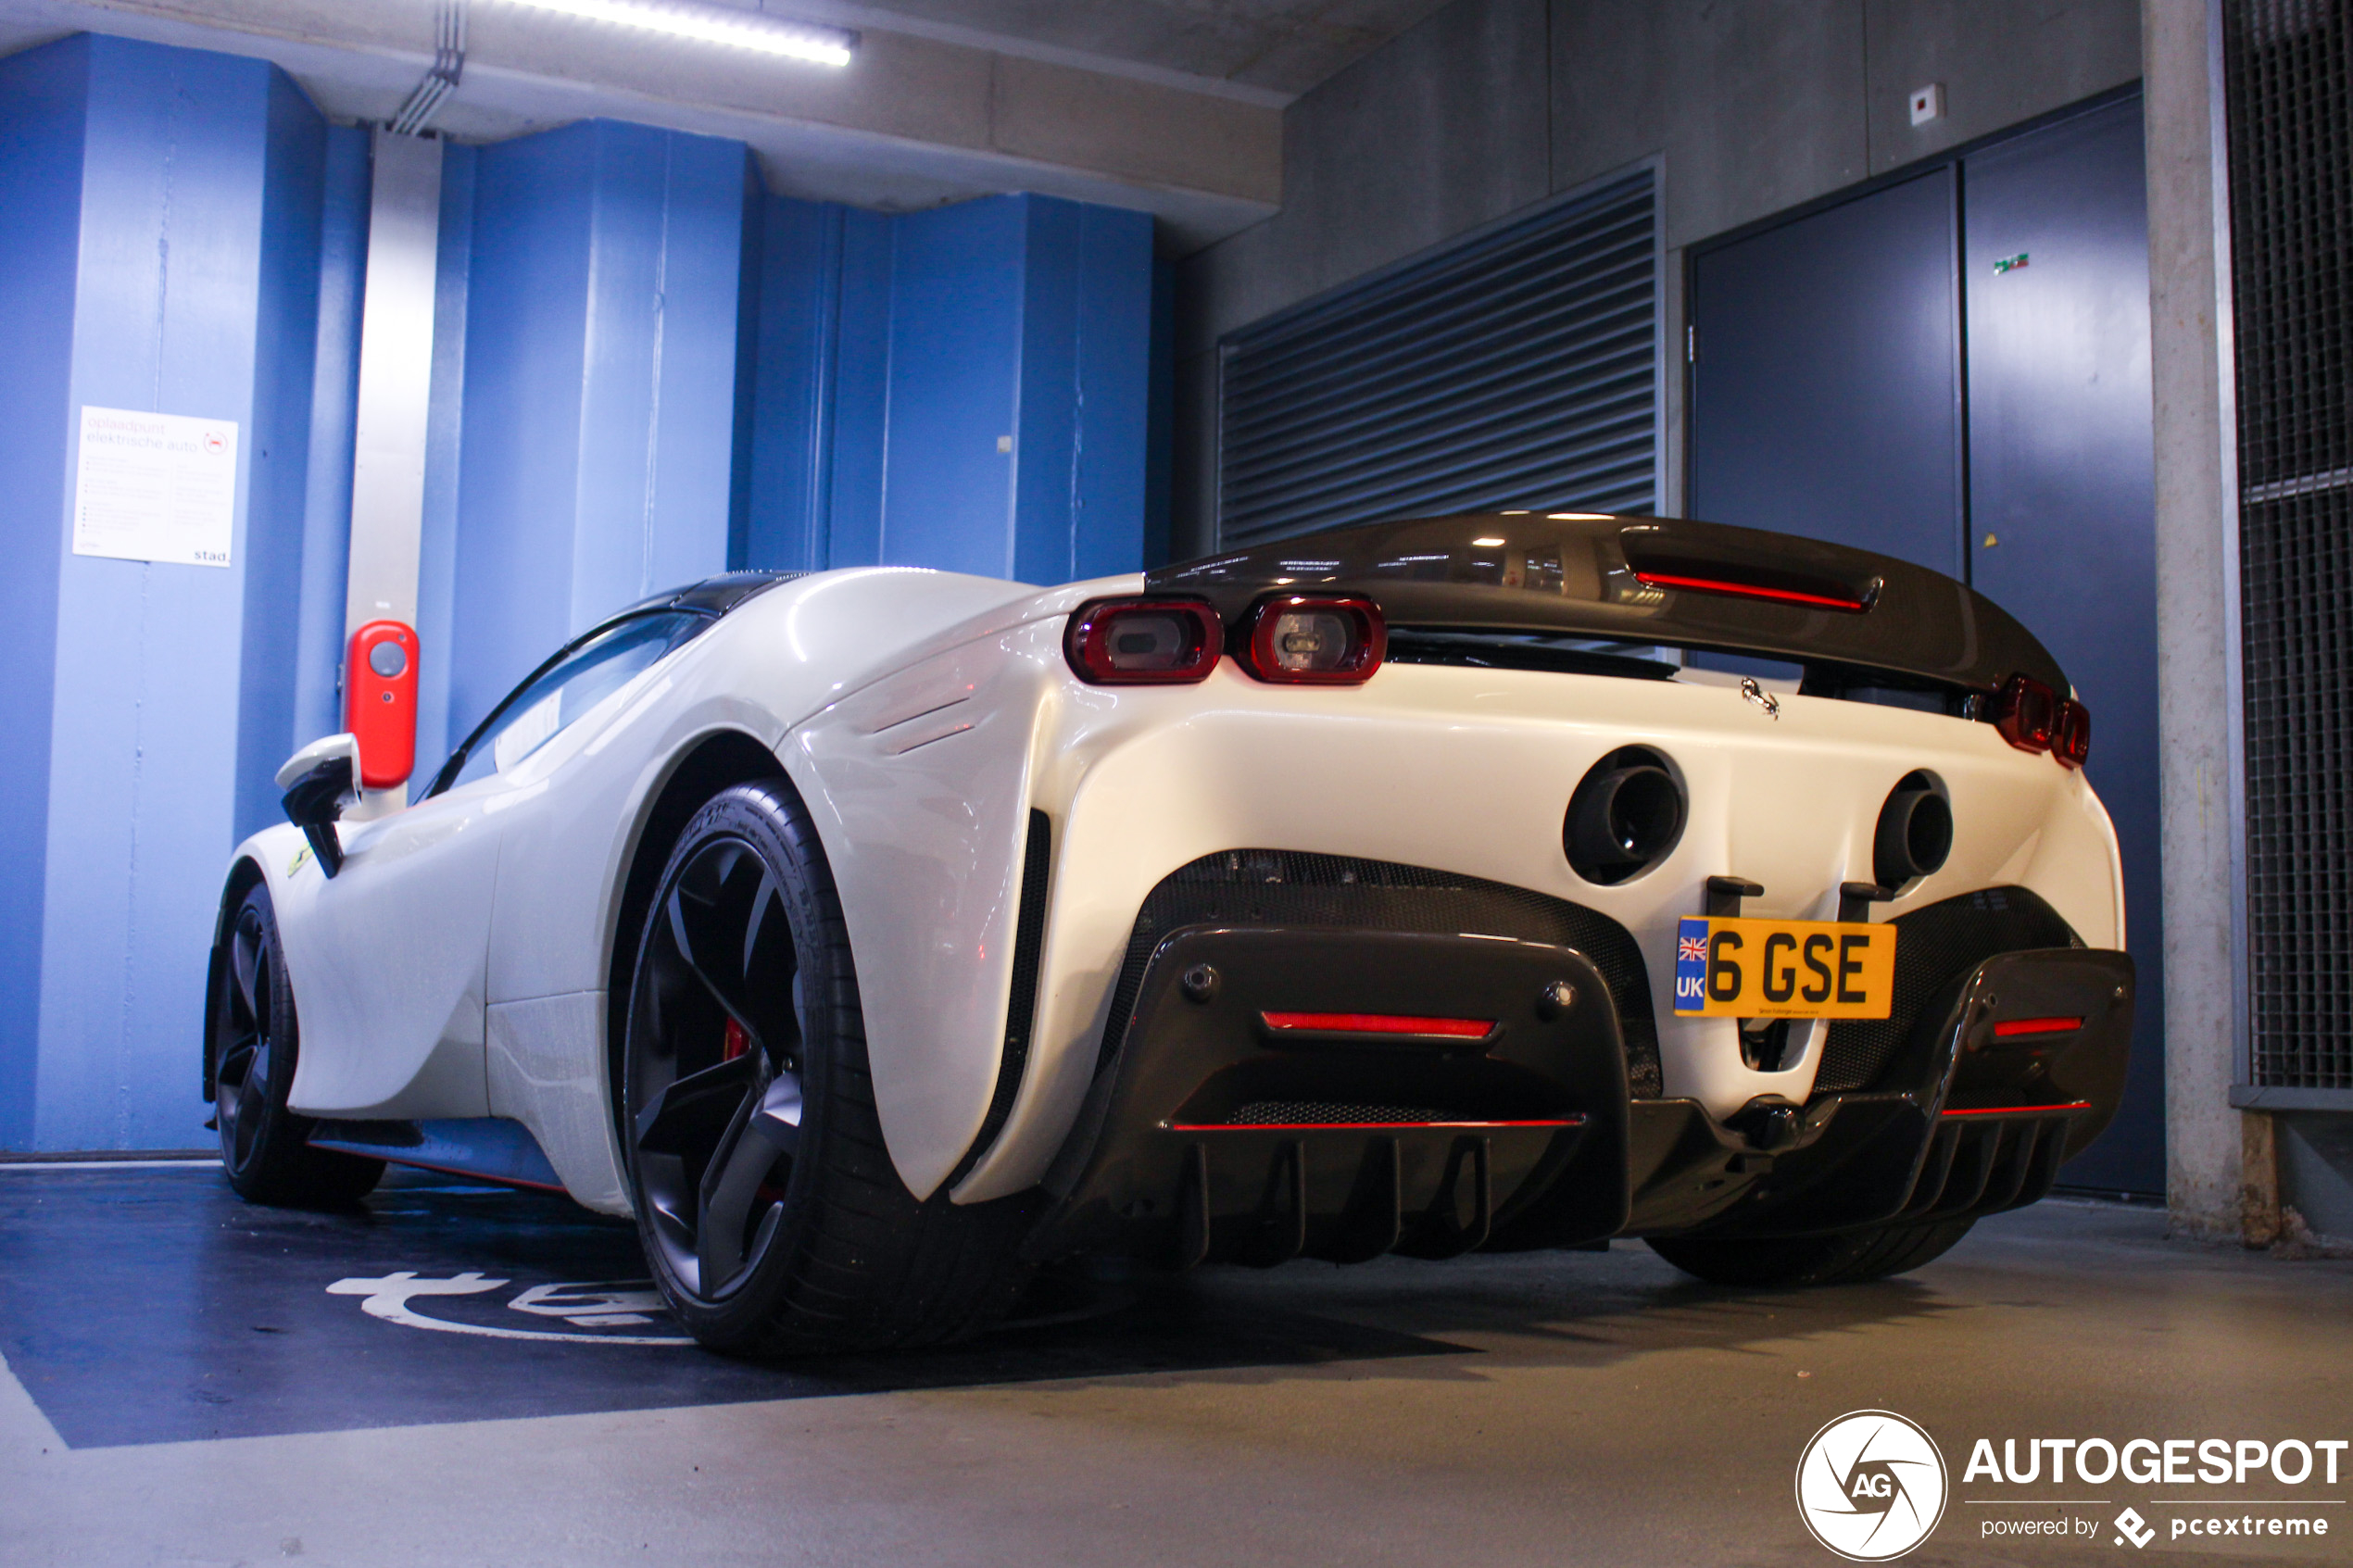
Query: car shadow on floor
point(147, 1305)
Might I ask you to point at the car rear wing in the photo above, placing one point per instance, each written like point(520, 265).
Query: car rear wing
point(1849, 617)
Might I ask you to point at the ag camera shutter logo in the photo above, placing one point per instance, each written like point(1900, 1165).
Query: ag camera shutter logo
point(1870, 1485)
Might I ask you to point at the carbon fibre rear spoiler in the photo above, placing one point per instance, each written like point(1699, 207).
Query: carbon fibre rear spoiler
point(1850, 616)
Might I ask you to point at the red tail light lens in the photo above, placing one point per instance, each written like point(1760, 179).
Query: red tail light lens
point(1143, 642)
point(2026, 711)
point(1308, 640)
point(2071, 743)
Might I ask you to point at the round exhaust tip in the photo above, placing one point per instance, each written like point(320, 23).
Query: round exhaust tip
point(1626, 816)
point(1915, 834)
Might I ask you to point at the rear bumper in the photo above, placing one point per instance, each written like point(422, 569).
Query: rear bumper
point(1212, 1133)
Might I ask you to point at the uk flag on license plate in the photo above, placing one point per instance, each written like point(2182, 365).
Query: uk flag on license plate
point(1691, 965)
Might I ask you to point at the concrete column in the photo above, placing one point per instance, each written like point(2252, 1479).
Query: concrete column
point(162, 209)
point(395, 380)
point(2220, 1169)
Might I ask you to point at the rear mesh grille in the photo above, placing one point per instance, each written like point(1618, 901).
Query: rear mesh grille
point(2288, 72)
point(1283, 888)
point(1321, 1114)
point(1935, 945)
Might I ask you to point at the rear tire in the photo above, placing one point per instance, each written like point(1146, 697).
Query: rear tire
point(773, 1217)
point(264, 1147)
point(1812, 1259)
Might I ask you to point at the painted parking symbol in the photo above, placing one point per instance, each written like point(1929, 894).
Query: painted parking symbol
point(592, 1311)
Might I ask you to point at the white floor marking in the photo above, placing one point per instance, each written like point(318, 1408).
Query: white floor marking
point(388, 1299)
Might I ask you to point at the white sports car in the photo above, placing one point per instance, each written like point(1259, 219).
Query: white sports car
point(1496, 882)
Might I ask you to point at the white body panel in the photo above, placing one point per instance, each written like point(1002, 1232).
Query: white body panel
point(1470, 771)
point(386, 961)
point(923, 717)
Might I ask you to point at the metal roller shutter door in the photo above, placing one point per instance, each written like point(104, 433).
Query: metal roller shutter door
point(1516, 369)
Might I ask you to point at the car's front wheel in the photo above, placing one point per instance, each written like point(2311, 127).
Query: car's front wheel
point(264, 1145)
point(1813, 1259)
point(771, 1215)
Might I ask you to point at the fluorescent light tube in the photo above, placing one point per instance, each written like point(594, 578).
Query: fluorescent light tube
point(709, 24)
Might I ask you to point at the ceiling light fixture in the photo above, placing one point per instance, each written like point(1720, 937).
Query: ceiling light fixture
point(710, 24)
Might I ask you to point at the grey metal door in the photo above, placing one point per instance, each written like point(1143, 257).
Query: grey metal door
point(1825, 396)
point(1831, 395)
point(2063, 505)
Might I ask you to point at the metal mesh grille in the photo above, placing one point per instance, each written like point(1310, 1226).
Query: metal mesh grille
point(2289, 94)
point(1517, 370)
point(1327, 1113)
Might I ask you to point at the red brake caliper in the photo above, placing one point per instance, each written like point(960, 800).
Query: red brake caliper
point(738, 1041)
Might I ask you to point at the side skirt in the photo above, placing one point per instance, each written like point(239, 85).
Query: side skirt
point(490, 1148)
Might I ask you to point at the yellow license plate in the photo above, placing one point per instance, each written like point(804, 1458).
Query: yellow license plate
point(1783, 968)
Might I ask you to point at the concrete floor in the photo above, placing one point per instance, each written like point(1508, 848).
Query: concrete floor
point(1548, 1409)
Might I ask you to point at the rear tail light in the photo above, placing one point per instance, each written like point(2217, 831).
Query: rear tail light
point(1308, 640)
point(1143, 642)
point(2026, 711)
point(2071, 743)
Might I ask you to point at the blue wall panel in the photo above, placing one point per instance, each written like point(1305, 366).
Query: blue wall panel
point(191, 166)
point(657, 425)
point(42, 102)
point(1082, 512)
point(859, 404)
point(954, 385)
point(600, 379)
point(798, 321)
point(1049, 433)
point(326, 506)
point(897, 352)
point(285, 356)
point(526, 339)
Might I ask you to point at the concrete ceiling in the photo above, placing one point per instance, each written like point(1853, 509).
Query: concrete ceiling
point(1170, 106)
point(1283, 47)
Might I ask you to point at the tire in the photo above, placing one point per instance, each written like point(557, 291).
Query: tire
point(1812, 1259)
point(264, 1145)
point(773, 1221)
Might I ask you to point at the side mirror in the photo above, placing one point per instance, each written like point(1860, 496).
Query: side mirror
point(322, 781)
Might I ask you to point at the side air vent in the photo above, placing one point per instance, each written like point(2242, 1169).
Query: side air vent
point(1021, 1008)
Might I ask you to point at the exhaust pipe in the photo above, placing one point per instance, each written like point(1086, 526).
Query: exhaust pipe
point(1915, 834)
point(1625, 817)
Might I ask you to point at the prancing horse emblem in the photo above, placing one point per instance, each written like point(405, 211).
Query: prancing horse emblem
point(1759, 695)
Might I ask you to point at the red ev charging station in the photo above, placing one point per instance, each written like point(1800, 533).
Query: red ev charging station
point(379, 701)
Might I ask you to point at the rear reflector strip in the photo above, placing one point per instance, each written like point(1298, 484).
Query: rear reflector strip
point(2011, 1028)
point(1378, 1024)
point(1748, 590)
point(1365, 1126)
point(2026, 1110)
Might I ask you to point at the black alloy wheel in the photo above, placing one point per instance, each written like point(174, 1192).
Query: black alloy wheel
point(715, 1095)
point(263, 1145)
point(773, 1217)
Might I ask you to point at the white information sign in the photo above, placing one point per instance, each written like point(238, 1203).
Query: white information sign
point(159, 487)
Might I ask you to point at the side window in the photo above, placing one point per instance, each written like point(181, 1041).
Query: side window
point(539, 710)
